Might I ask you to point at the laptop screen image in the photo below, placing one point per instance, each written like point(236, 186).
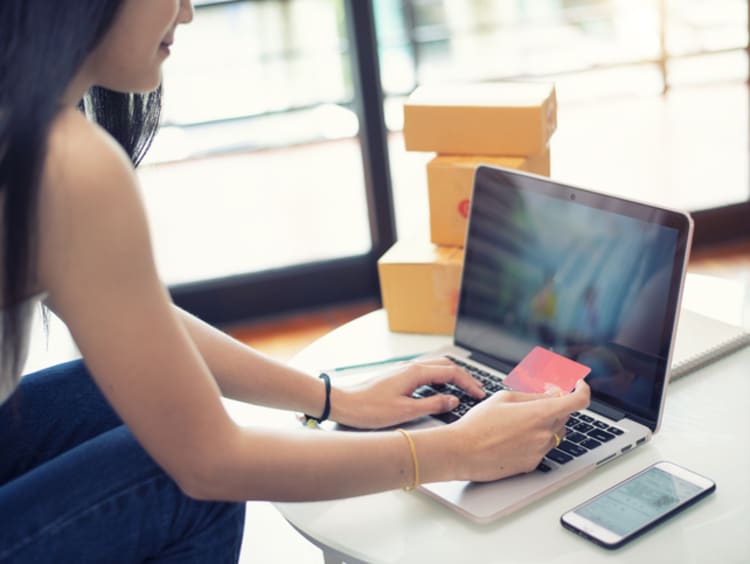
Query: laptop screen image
point(591, 277)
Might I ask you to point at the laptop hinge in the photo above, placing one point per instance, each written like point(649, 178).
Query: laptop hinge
point(606, 411)
point(492, 362)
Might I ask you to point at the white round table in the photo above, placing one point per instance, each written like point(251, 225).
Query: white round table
point(706, 428)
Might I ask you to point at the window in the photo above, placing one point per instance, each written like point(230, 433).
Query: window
point(652, 94)
point(259, 195)
point(275, 152)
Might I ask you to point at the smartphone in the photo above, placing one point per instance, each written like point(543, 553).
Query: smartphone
point(632, 507)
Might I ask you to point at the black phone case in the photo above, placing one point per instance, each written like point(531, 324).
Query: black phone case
point(637, 533)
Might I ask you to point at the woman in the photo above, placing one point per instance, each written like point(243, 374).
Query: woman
point(129, 455)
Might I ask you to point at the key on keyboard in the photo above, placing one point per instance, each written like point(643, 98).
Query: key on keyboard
point(584, 433)
point(489, 382)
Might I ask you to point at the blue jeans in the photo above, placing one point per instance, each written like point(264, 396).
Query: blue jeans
point(75, 485)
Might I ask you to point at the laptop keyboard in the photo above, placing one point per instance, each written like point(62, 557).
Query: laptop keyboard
point(584, 432)
point(491, 384)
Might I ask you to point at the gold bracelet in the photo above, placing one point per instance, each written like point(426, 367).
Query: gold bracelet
point(414, 459)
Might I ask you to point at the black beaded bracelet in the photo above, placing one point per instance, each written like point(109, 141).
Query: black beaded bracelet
point(327, 407)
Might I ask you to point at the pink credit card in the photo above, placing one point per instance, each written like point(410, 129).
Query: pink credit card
point(542, 370)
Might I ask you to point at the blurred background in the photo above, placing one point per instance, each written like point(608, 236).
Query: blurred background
point(279, 176)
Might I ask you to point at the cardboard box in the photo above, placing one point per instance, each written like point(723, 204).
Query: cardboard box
point(419, 284)
point(450, 181)
point(498, 118)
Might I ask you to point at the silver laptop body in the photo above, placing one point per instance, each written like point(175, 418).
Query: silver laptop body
point(610, 274)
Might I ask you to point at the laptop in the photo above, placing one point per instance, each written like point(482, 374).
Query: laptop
point(593, 277)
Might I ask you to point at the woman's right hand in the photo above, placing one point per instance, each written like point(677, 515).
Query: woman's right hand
point(511, 432)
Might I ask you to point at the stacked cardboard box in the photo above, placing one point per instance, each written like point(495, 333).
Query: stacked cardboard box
point(507, 124)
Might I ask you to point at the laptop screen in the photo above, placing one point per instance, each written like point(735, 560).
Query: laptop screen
point(592, 277)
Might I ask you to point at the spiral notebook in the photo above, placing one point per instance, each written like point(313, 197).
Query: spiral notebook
point(702, 340)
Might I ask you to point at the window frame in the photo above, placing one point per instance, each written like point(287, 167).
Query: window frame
point(312, 285)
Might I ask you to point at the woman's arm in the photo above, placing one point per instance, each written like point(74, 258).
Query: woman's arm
point(246, 375)
point(506, 435)
point(96, 263)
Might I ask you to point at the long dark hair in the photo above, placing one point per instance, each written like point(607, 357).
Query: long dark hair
point(43, 44)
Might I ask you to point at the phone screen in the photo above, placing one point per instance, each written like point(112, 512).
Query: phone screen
point(636, 504)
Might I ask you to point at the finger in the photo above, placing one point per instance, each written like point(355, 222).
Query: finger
point(555, 441)
point(551, 418)
point(468, 383)
point(579, 398)
point(439, 403)
point(513, 396)
point(560, 421)
point(434, 374)
point(557, 437)
point(576, 400)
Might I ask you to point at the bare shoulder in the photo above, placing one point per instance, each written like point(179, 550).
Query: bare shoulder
point(89, 206)
point(80, 155)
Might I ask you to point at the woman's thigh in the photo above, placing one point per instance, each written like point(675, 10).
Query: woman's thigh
point(50, 412)
point(106, 500)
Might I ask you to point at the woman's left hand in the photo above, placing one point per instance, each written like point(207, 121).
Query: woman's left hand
point(387, 400)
